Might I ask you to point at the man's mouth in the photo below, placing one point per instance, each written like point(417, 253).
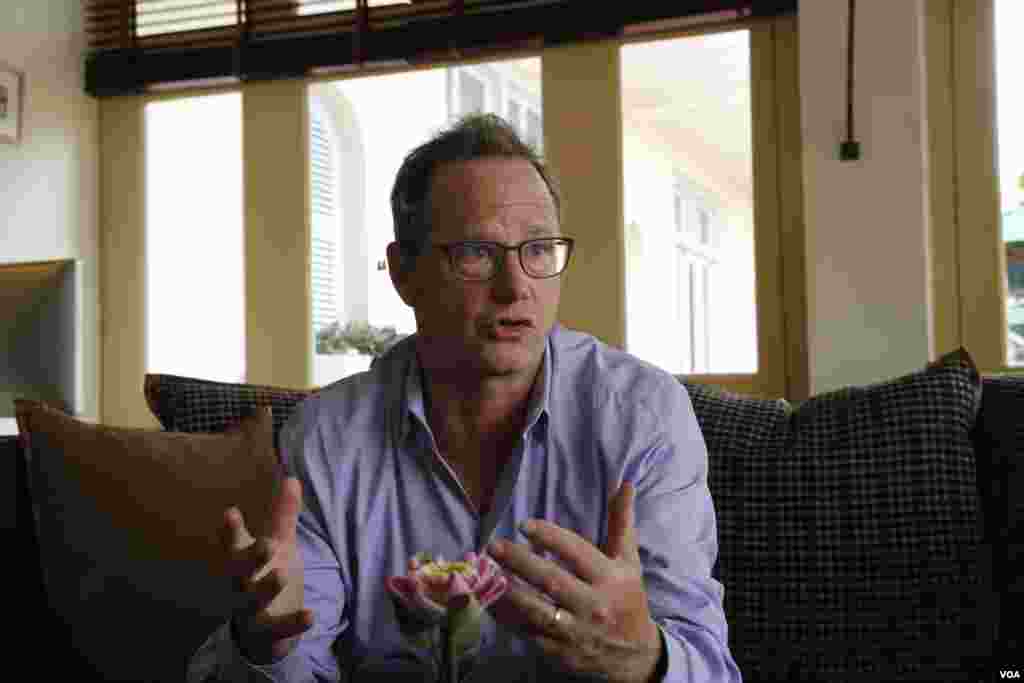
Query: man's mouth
point(509, 328)
point(514, 323)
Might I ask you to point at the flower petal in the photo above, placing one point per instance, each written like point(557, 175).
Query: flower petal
point(486, 567)
point(412, 596)
point(457, 585)
point(402, 587)
point(427, 605)
point(493, 590)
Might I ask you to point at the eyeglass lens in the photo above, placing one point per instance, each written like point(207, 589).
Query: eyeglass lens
point(539, 258)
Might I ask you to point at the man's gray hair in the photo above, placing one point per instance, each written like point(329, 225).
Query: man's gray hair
point(474, 136)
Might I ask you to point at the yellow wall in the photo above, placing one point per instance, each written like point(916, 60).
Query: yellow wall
point(279, 337)
point(579, 105)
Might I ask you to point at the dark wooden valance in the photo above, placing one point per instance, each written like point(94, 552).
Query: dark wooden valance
point(138, 45)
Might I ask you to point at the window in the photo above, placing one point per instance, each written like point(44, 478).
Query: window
point(172, 16)
point(358, 140)
point(534, 129)
point(370, 133)
point(472, 96)
point(509, 89)
point(324, 6)
point(695, 240)
point(1009, 55)
point(515, 112)
point(195, 325)
point(688, 176)
point(326, 286)
point(978, 149)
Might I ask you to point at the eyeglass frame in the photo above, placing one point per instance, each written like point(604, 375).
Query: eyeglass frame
point(502, 251)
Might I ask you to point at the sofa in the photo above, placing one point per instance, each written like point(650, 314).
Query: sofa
point(871, 533)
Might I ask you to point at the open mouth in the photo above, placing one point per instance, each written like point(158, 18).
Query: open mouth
point(514, 323)
point(509, 328)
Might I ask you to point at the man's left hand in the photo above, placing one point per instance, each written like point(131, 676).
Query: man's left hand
point(604, 627)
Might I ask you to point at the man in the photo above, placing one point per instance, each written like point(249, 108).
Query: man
point(489, 416)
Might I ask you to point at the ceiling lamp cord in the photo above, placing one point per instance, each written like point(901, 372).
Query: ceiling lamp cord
point(849, 149)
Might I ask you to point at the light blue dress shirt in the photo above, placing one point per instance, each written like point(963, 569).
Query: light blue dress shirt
point(376, 492)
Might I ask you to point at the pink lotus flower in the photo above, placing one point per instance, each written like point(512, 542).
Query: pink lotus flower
point(439, 604)
point(432, 586)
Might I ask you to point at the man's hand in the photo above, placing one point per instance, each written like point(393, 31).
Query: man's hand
point(268, 572)
point(604, 626)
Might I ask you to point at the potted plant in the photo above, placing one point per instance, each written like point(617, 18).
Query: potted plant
point(350, 348)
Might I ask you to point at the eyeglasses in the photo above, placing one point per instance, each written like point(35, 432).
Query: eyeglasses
point(479, 261)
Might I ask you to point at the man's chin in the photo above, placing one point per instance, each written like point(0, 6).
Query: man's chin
point(508, 361)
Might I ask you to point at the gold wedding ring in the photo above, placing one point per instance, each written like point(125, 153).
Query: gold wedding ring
point(556, 616)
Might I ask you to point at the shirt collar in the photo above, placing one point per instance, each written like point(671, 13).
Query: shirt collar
point(412, 406)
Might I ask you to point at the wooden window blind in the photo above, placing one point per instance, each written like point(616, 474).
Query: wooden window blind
point(140, 45)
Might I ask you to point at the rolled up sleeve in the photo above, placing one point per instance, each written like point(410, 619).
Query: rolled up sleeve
point(313, 659)
point(678, 542)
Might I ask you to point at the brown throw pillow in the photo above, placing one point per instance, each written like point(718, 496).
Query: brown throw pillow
point(127, 521)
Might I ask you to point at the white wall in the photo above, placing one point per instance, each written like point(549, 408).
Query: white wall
point(867, 220)
point(49, 199)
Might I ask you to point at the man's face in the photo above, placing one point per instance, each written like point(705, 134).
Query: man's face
point(499, 326)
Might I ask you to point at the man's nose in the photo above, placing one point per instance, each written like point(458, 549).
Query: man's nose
point(511, 280)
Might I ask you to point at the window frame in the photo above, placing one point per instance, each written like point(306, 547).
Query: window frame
point(779, 228)
point(275, 115)
point(968, 255)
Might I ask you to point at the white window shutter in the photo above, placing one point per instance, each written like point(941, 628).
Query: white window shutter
point(325, 220)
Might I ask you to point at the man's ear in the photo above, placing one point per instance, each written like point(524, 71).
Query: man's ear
point(400, 270)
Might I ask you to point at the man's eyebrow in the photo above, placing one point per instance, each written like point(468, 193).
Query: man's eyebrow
point(531, 232)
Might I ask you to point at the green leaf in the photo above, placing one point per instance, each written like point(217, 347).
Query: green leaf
point(464, 626)
point(424, 639)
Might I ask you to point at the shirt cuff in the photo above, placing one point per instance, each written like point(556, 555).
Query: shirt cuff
point(236, 668)
point(672, 663)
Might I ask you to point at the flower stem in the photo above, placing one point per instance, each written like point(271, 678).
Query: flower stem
point(449, 658)
point(453, 661)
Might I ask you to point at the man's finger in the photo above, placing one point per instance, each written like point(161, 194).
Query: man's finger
point(580, 556)
point(287, 505)
point(523, 610)
point(621, 524)
point(262, 593)
point(560, 585)
point(234, 534)
point(251, 563)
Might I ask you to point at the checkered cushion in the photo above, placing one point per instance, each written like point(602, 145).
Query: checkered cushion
point(738, 431)
point(849, 528)
point(999, 437)
point(188, 404)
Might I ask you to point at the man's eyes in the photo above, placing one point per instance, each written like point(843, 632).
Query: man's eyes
point(489, 250)
point(476, 251)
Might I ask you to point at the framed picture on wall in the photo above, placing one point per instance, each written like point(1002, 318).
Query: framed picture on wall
point(12, 89)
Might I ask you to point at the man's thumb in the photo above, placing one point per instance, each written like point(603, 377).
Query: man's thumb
point(621, 532)
point(287, 505)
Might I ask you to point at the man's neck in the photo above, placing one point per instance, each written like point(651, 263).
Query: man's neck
point(484, 414)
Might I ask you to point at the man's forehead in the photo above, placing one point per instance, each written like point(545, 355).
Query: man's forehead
point(507, 181)
point(475, 190)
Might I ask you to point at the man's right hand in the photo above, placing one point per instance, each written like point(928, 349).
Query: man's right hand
point(268, 572)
